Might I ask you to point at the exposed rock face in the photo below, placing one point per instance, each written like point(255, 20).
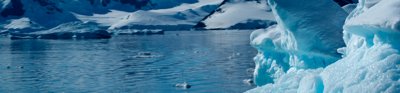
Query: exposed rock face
point(14, 8)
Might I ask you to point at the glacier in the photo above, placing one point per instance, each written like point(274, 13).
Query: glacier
point(317, 47)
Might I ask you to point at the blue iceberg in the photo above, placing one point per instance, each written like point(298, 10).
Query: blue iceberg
point(306, 37)
point(308, 52)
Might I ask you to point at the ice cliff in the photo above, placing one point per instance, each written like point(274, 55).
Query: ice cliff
point(301, 40)
point(299, 54)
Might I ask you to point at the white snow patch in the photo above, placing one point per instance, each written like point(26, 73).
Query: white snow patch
point(22, 23)
point(234, 13)
point(107, 19)
point(184, 6)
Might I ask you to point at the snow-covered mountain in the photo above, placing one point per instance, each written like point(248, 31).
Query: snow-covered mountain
point(244, 14)
point(33, 15)
point(239, 14)
point(317, 48)
point(182, 17)
point(116, 14)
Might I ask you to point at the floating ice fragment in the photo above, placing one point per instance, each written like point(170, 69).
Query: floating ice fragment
point(183, 85)
point(248, 81)
point(146, 55)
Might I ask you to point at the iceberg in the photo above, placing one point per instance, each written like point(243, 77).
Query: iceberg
point(371, 56)
point(369, 61)
point(301, 40)
point(71, 30)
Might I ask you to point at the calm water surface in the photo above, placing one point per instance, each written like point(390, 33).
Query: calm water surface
point(211, 61)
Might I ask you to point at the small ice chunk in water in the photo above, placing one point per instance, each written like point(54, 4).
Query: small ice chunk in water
point(183, 85)
point(234, 55)
point(248, 81)
point(146, 55)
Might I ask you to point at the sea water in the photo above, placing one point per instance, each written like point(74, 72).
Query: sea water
point(209, 61)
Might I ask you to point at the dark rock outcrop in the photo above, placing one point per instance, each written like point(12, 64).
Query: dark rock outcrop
point(15, 8)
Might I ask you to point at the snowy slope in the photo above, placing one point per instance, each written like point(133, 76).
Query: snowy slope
point(140, 14)
point(70, 30)
point(180, 17)
point(246, 14)
point(162, 16)
point(104, 20)
point(22, 23)
point(107, 13)
point(369, 62)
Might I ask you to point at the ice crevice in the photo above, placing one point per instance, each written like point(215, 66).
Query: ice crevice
point(318, 47)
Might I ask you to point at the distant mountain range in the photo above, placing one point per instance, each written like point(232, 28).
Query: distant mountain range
point(30, 15)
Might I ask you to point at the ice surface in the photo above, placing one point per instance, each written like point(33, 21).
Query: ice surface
point(307, 36)
point(290, 83)
point(385, 14)
point(370, 60)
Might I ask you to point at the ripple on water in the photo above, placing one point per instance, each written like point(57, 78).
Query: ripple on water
point(215, 62)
